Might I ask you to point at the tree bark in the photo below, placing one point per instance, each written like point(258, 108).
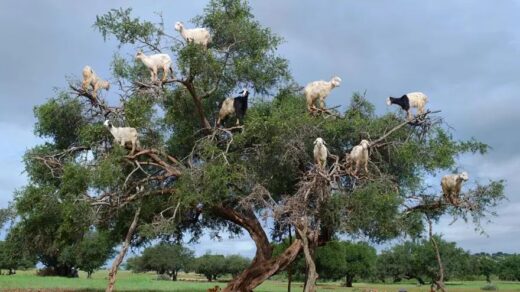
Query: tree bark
point(255, 275)
point(348, 281)
point(439, 283)
point(249, 222)
point(289, 268)
point(263, 265)
point(312, 275)
point(115, 265)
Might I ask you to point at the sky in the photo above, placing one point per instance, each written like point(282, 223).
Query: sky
point(463, 54)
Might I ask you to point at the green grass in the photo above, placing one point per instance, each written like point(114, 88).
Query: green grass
point(127, 281)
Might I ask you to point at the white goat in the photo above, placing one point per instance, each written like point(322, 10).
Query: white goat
point(156, 62)
point(451, 185)
point(320, 153)
point(199, 36)
point(90, 78)
point(410, 100)
point(358, 156)
point(319, 90)
point(122, 135)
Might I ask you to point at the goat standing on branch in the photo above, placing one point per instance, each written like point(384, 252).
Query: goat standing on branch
point(122, 135)
point(320, 153)
point(359, 157)
point(451, 186)
point(236, 106)
point(90, 78)
point(410, 100)
point(156, 62)
point(319, 90)
point(199, 36)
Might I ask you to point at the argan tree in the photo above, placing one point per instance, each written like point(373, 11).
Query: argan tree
point(189, 177)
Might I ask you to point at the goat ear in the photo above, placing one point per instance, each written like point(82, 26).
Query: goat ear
point(315, 142)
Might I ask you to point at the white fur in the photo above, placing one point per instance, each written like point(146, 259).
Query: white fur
point(122, 135)
point(320, 153)
point(417, 100)
point(359, 156)
point(228, 108)
point(90, 78)
point(319, 90)
point(199, 36)
point(451, 185)
point(156, 62)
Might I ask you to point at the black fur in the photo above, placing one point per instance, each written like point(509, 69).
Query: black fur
point(403, 102)
point(240, 105)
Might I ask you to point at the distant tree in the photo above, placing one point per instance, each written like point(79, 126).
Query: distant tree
point(211, 266)
point(133, 264)
point(417, 260)
point(484, 264)
point(509, 268)
point(93, 251)
point(13, 258)
point(341, 259)
point(235, 264)
point(164, 259)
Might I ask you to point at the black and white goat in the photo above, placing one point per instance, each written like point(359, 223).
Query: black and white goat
point(236, 106)
point(410, 100)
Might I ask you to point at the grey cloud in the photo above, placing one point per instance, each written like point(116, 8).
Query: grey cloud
point(463, 54)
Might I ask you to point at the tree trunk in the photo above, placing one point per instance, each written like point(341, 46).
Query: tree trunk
point(289, 268)
point(198, 105)
point(174, 276)
point(115, 265)
point(257, 274)
point(440, 282)
point(420, 280)
point(89, 275)
point(348, 281)
point(263, 265)
point(312, 275)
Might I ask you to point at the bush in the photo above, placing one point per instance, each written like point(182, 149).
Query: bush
point(490, 287)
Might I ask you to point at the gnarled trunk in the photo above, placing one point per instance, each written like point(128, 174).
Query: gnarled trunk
point(308, 250)
point(263, 265)
point(257, 273)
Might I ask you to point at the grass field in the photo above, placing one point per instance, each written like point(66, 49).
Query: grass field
point(28, 281)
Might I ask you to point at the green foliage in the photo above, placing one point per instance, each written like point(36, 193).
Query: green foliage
point(93, 251)
point(340, 259)
point(60, 119)
point(163, 258)
point(211, 266)
point(12, 257)
point(236, 264)
point(509, 268)
point(118, 22)
point(416, 260)
point(92, 134)
point(484, 264)
point(489, 287)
